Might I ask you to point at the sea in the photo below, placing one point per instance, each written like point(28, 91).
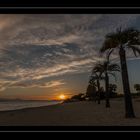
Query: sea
point(16, 105)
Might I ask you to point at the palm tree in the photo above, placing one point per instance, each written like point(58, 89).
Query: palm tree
point(122, 39)
point(91, 89)
point(107, 69)
point(112, 90)
point(97, 76)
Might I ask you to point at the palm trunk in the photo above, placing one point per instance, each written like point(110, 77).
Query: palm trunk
point(107, 90)
point(98, 85)
point(129, 112)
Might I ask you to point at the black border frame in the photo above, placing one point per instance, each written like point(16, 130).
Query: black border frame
point(69, 10)
point(69, 128)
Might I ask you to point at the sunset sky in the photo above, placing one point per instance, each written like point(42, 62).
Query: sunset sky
point(45, 55)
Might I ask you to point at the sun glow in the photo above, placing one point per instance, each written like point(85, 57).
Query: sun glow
point(62, 97)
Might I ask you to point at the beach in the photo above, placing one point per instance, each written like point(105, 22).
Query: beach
point(84, 113)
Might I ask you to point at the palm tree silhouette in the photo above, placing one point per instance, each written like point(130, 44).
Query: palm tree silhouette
point(91, 89)
point(107, 69)
point(97, 76)
point(123, 39)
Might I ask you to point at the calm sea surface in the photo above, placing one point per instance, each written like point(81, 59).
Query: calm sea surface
point(14, 105)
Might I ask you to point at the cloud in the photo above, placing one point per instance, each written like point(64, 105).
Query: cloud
point(50, 84)
point(38, 47)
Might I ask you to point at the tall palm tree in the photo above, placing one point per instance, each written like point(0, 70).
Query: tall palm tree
point(107, 69)
point(123, 39)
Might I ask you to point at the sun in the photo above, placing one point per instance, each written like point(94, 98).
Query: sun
point(62, 97)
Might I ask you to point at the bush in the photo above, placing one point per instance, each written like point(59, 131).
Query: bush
point(79, 97)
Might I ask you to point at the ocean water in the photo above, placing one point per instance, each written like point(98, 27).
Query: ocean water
point(15, 105)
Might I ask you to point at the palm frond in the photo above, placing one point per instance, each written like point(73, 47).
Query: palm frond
point(98, 68)
point(92, 80)
point(113, 67)
point(109, 43)
point(135, 49)
point(127, 37)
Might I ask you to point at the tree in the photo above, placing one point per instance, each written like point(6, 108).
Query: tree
point(91, 89)
point(112, 90)
point(97, 76)
point(106, 68)
point(102, 93)
point(123, 39)
point(137, 87)
point(78, 97)
point(112, 87)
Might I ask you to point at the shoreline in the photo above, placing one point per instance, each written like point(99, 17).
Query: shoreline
point(29, 108)
point(84, 113)
point(22, 106)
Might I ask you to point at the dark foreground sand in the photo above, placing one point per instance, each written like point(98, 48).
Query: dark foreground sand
point(77, 113)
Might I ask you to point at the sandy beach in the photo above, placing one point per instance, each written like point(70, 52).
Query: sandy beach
point(72, 114)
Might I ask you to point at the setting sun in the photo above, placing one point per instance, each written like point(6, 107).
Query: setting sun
point(62, 97)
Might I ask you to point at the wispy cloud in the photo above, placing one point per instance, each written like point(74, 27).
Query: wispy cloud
point(38, 47)
point(50, 84)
